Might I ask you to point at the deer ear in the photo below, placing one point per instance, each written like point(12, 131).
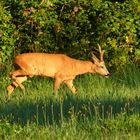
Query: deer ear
point(94, 58)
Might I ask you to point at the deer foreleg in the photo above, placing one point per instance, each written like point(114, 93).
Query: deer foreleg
point(57, 83)
point(70, 85)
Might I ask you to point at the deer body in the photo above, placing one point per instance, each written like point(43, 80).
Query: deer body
point(51, 65)
point(58, 66)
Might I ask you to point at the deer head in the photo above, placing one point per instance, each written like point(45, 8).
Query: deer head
point(99, 65)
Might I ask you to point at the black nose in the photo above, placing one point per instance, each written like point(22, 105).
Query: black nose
point(108, 75)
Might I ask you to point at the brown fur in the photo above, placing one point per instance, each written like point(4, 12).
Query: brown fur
point(58, 66)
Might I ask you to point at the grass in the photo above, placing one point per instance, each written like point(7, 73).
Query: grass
point(107, 109)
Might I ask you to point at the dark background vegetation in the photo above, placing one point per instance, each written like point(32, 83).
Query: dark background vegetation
point(72, 27)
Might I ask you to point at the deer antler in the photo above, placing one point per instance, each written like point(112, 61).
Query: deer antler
point(101, 53)
point(95, 59)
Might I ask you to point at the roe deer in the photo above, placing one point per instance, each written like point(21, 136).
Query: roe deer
point(58, 66)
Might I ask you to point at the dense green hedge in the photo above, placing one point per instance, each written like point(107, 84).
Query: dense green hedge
point(71, 27)
point(7, 40)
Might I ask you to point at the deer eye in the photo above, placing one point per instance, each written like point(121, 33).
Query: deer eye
point(102, 67)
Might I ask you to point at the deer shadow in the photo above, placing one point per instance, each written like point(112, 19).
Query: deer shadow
point(67, 108)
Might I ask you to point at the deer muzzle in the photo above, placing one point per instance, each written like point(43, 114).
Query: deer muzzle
point(107, 75)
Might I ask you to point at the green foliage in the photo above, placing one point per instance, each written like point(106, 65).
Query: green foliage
point(74, 27)
point(118, 28)
point(7, 40)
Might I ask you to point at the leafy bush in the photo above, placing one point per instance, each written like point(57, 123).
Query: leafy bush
point(7, 40)
point(75, 28)
point(118, 29)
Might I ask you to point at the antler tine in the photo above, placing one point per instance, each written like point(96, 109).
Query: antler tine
point(95, 59)
point(101, 53)
point(100, 50)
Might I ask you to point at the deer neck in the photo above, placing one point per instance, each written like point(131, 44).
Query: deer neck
point(84, 67)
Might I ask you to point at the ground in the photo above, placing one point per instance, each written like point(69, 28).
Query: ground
point(107, 108)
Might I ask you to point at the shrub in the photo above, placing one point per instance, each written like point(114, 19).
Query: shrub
point(117, 27)
point(75, 28)
point(7, 40)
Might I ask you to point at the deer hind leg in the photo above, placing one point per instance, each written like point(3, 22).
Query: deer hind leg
point(17, 82)
point(18, 73)
point(70, 85)
point(18, 77)
point(20, 80)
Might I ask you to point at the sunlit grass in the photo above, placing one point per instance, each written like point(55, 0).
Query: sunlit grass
point(107, 108)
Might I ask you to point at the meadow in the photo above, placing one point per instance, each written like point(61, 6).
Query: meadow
point(106, 109)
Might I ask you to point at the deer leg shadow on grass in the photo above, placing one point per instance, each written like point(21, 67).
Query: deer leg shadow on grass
point(53, 112)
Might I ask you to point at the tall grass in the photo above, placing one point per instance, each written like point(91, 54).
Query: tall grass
point(106, 108)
